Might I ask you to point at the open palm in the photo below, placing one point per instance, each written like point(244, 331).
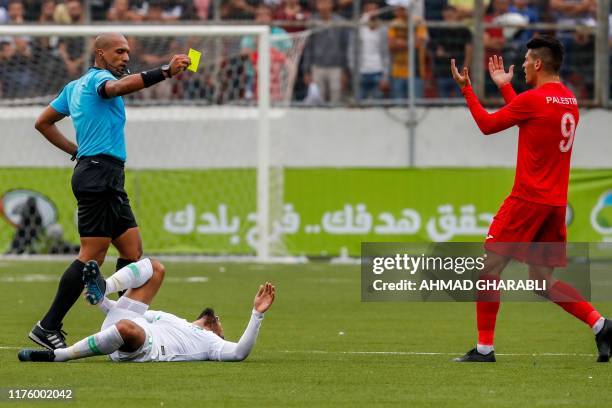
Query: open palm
point(264, 297)
point(461, 78)
point(498, 72)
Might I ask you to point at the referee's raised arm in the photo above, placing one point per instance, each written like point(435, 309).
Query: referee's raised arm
point(136, 82)
point(112, 53)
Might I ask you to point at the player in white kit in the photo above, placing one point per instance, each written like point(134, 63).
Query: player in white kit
point(131, 332)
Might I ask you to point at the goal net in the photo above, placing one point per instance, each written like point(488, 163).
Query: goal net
point(203, 171)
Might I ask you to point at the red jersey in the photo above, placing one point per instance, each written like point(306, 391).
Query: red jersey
point(547, 118)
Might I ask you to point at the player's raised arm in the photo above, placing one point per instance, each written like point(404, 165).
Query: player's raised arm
point(45, 124)
point(501, 78)
point(145, 79)
point(461, 78)
point(239, 351)
point(510, 115)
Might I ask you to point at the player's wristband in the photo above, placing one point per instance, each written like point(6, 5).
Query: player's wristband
point(152, 76)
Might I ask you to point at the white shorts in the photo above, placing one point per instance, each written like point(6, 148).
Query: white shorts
point(132, 310)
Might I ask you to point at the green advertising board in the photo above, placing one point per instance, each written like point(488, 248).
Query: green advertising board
point(326, 211)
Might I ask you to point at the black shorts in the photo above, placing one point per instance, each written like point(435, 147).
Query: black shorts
point(103, 205)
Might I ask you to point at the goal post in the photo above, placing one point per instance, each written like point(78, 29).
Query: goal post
point(266, 247)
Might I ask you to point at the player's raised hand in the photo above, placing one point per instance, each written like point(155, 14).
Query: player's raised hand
point(498, 72)
point(179, 63)
point(264, 297)
point(462, 79)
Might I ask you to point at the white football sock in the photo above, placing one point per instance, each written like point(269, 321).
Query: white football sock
point(106, 305)
point(132, 276)
point(599, 324)
point(484, 349)
point(104, 342)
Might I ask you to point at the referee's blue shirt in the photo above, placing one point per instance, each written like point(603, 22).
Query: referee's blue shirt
point(99, 122)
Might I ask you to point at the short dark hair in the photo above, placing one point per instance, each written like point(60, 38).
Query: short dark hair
point(208, 314)
point(549, 50)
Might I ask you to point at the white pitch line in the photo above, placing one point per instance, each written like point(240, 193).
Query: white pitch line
point(35, 278)
point(424, 353)
point(400, 353)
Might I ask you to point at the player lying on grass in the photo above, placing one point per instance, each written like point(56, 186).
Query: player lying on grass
point(131, 332)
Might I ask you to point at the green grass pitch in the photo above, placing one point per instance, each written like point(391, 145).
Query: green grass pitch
point(318, 346)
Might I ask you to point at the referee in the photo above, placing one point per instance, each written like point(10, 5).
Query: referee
point(105, 217)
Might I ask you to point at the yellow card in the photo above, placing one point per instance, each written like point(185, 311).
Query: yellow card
point(194, 55)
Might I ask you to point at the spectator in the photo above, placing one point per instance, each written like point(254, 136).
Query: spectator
point(72, 49)
point(344, 8)
point(434, 8)
point(373, 54)
point(279, 38)
point(576, 12)
point(17, 67)
point(121, 11)
point(292, 10)
point(578, 68)
point(398, 46)
point(281, 66)
point(447, 43)
point(164, 11)
point(45, 53)
point(271, 3)
point(238, 9)
point(75, 11)
point(99, 9)
point(418, 6)
point(203, 9)
point(149, 52)
point(47, 8)
point(325, 54)
point(154, 13)
point(465, 8)
point(3, 15)
point(32, 9)
point(527, 10)
point(494, 40)
point(16, 12)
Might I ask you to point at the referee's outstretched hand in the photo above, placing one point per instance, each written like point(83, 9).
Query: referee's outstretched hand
point(179, 63)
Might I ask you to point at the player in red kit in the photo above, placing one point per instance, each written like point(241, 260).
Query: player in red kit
point(547, 117)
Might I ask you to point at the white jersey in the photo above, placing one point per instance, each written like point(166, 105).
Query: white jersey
point(169, 338)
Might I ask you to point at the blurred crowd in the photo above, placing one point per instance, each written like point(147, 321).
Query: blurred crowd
point(340, 62)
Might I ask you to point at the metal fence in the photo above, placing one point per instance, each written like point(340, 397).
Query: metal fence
point(387, 59)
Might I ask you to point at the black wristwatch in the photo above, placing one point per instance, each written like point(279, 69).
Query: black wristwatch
point(166, 70)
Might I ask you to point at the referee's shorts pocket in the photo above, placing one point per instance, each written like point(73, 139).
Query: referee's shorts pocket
point(89, 176)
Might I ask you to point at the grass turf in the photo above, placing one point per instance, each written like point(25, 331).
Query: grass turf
point(308, 351)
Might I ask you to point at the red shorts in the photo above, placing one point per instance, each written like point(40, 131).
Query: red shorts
point(529, 232)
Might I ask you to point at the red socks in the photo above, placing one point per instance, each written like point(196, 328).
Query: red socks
point(487, 306)
point(572, 302)
point(561, 293)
